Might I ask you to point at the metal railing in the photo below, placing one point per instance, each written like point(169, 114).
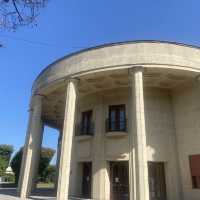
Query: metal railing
point(85, 129)
point(116, 125)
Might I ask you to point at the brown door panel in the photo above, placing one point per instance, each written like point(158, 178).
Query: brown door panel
point(87, 179)
point(157, 185)
point(119, 181)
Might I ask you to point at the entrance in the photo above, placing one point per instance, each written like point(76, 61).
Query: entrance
point(87, 179)
point(119, 180)
point(157, 186)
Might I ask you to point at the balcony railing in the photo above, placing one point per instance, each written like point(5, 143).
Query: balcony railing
point(116, 125)
point(85, 130)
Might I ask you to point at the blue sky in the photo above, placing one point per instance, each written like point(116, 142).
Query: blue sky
point(65, 26)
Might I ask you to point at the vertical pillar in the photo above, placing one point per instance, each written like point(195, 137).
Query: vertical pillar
point(32, 147)
point(99, 163)
point(58, 159)
point(73, 171)
point(67, 139)
point(138, 139)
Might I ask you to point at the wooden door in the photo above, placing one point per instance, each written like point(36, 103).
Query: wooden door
point(119, 181)
point(157, 186)
point(87, 179)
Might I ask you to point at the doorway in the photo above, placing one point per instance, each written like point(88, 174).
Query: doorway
point(87, 179)
point(157, 184)
point(119, 180)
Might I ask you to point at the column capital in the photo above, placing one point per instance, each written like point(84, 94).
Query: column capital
point(136, 69)
point(73, 80)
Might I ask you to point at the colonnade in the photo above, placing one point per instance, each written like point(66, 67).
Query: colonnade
point(138, 171)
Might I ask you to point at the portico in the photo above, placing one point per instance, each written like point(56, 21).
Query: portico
point(118, 111)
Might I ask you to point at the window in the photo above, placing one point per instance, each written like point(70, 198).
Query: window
point(117, 118)
point(195, 170)
point(86, 123)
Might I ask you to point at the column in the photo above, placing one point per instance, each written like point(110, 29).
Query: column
point(99, 163)
point(32, 147)
point(138, 154)
point(67, 139)
point(58, 159)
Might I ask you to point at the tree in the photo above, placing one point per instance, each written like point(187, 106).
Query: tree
point(5, 155)
point(50, 174)
point(45, 159)
point(15, 13)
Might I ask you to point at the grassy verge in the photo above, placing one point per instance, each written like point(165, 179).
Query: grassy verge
point(45, 185)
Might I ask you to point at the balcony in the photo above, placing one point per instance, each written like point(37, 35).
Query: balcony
point(85, 130)
point(116, 125)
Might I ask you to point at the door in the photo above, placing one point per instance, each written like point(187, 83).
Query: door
point(86, 181)
point(119, 180)
point(157, 186)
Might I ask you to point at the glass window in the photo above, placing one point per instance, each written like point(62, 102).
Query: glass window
point(86, 124)
point(117, 118)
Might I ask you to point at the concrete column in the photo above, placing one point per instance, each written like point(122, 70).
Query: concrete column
point(58, 159)
point(67, 139)
point(32, 147)
point(73, 172)
point(138, 139)
point(99, 163)
point(37, 161)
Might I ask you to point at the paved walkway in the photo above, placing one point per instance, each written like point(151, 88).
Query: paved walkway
point(11, 194)
point(42, 194)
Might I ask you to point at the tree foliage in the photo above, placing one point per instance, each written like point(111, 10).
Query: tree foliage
point(5, 155)
point(45, 159)
point(46, 156)
point(49, 174)
point(15, 13)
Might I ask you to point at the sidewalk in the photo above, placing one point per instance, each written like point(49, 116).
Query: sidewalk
point(42, 194)
point(11, 194)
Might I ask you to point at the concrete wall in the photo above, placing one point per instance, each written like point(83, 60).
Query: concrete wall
point(161, 138)
point(187, 118)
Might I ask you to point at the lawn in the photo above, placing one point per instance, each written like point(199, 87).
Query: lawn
point(45, 185)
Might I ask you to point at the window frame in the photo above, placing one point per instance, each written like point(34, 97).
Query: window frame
point(119, 124)
point(86, 129)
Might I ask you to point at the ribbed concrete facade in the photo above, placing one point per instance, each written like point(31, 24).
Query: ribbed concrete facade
point(129, 121)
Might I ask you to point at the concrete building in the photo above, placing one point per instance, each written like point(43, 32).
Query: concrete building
point(129, 121)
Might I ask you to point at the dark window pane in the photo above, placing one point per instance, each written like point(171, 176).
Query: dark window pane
point(117, 118)
point(86, 126)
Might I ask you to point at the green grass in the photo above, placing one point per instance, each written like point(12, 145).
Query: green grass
point(45, 185)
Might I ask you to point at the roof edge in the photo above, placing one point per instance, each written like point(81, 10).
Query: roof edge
point(110, 45)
